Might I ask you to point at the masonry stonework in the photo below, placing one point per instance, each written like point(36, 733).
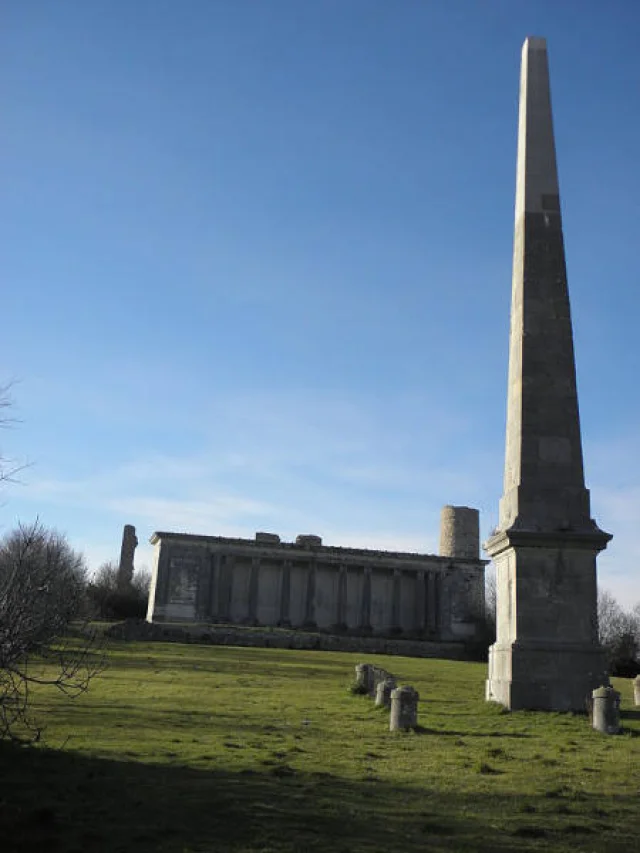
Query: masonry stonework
point(127, 551)
point(305, 584)
point(546, 655)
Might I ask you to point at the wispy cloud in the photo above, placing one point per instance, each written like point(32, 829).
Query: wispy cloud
point(339, 467)
point(283, 462)
point(615, 497)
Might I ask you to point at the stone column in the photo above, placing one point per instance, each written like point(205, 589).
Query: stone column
point(432, 603)
point(203, 594)
point(420, 602)
point(395, 603)
point(254, 591)
point(285, 593)
point(214, 597)
point(546, 655)
point(445, 614)
point(341, 609)
point(310, 609)
point(225, 580)
point(365, 604)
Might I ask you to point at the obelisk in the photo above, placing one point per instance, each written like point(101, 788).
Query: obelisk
point(546, 654)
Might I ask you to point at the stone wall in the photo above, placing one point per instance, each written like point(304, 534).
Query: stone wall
point(280, 638)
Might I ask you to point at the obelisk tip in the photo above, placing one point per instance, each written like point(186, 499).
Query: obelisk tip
point(534, 43)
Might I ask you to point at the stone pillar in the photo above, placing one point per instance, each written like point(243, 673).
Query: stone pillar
point(420, 602)
point(285, 593)
point(203, 593)
point(404, 709)
point(432, 603)
point(341, 608)
point(395, 604)
point(214, 597)
point(445, 604)
point(310, 608)
point(636, 690)
point(225, 580)
point(365, 604)
point(546, 655)
point(606, 710)
point(383, 692)
point(254, 591)
point(127, 550)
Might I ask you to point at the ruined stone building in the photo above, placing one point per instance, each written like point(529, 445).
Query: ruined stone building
point(305, 584)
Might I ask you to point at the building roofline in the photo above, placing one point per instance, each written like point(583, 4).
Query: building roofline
point(293, 546)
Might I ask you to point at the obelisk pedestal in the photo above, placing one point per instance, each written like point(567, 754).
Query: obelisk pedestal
point(546, 654)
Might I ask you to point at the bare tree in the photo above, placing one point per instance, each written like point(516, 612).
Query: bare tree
point(619, 633)
point(42, 583)
point(611, 618)
point(141, 583)
point(491, 596)
point(109, 600)
point(8, 467)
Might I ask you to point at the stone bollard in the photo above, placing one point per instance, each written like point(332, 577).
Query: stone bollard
point(383, 692)
point(636, 689)
point(377, 675)
point(404, 709)
point(606, 710)
point(363, 677)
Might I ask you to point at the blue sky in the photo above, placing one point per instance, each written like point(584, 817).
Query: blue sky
point(257, 263)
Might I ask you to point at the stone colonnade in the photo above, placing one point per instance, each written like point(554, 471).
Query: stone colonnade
point(210, 579)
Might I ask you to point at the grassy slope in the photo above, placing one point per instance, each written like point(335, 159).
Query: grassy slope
point(187, 748)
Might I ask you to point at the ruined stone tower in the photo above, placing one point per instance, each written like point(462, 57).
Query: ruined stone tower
point(546, 653)
point(460, 532)
point(127, 551)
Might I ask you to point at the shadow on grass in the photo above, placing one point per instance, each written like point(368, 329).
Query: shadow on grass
point(67, 802)
point(238, 661)
point(470, 734)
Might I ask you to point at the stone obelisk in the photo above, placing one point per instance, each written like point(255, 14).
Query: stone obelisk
point(546, 654)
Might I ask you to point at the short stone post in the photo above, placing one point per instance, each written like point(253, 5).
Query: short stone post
point(377, 675)
point(636, 690)
point(383, 692)
point(606, 710)
point(363, 677)
point(404, 709)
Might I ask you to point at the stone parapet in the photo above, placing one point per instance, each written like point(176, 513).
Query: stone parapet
point(277, 638)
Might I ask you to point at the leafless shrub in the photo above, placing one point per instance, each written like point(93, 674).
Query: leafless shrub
point(619, 633)
point(108, 599)
point(42, 587)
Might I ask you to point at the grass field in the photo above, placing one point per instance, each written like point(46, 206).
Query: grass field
point(191, 748)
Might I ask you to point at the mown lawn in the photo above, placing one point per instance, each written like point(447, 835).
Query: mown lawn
point(191, 748)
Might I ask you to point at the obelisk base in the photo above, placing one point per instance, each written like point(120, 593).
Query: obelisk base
point(549, 678)
point(546, 655)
